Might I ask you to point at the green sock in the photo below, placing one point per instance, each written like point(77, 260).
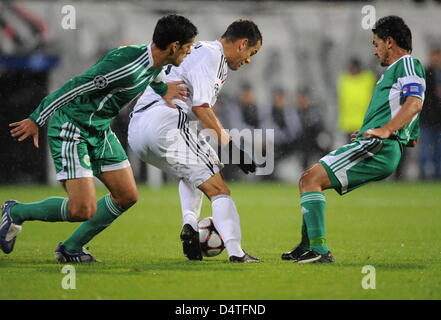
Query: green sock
point(52, 209)
point(313, 208)
point(107, 211)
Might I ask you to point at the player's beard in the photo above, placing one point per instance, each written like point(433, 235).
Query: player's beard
point(384, 62)
point(233, 67)
point(174, 61)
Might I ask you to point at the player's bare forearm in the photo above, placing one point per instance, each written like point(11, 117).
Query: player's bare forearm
point(410, 109)
point(209, 120)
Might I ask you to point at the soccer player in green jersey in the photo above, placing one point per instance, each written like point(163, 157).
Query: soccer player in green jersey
point(390, 124)
point(83, 145)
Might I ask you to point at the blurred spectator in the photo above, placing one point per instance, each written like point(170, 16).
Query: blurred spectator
point(286, 124)
point(243, 113)
point(283, 119)
point(25, 64)
point(430, 121)
point(311, 143)
point(239, 113)
point(354, 91)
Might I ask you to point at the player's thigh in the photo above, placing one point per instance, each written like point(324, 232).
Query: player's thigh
point(82, 198)
point(110, 164)
point(177, 151)
point(153, 129)
point(361, 162)
point(69, 148)
point(106, 152)
point(376, 167)
point(122, 186)
point(196, 164)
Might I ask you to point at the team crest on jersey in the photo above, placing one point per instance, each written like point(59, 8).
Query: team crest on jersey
point(86, 160)
point(100, 82)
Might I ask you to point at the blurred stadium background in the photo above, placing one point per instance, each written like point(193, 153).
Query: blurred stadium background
point(316, 56)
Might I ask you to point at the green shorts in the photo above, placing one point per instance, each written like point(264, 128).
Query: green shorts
point(360, 162)
point(80, 153)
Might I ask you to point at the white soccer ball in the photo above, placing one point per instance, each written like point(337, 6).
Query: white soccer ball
point(211, 241)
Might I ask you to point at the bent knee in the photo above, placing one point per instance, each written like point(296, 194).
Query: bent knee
point(216, 190)
point(310, 180)
point(305, 181)
point(127, 200)
point(82, 211)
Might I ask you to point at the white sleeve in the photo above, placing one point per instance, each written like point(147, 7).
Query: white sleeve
point(201, 79)
point(412, 86)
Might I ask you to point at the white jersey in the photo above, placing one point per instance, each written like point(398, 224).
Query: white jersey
point(204, 72)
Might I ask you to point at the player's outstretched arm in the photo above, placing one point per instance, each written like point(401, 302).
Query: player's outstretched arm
point(410, 109)
point(24, 129)
point(209, 120)
point(102, 78)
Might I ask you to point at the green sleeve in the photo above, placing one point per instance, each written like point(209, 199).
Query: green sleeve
point(160, 88)
point(158, 85)
point(419, 77)
point(419, 69)
point(110, 72)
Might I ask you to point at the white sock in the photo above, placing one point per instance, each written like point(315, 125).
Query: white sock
point(227, 222)
point(191, 202)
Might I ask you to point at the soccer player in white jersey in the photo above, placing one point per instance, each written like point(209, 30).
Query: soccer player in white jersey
point(161, 136)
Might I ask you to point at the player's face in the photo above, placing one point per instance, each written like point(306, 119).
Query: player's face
point(180, 52)
point(243, 54)
point(381, 50)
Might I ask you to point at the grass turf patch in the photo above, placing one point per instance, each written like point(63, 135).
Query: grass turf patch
point(391, 226)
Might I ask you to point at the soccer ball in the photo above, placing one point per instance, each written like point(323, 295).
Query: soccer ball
point(211, 241)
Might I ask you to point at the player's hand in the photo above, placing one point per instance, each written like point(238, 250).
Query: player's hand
point(24, 129)
point(354, 135)
point(175, 91)
point(246, 163)
point(382, 133)
point(412, 143)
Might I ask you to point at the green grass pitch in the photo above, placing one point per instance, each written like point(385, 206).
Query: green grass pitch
point(395, 227)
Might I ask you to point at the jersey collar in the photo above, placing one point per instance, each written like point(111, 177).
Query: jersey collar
point(149, 48)
point(406, 55)
point(221, 47)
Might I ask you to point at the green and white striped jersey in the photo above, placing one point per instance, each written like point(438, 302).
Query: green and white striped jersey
point(404, 78)
point(94, 98)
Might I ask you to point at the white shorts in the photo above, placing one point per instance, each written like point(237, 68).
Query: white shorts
point(161, 136)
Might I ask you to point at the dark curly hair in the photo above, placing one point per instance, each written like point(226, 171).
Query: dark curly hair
point(396, 28)
point(171, 28)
